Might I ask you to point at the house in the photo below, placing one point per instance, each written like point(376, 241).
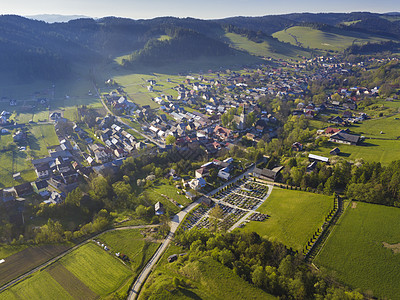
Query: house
point(202, 172)
point(311, 167)
point(224, 173)
point(24, 189)
point(267, 174)
point(334, 151)
point(42, 170)
point(197, 184)
point(159, 209)
point(345, 138)
point(297, 146)
point(317, 158)
point(19, 136)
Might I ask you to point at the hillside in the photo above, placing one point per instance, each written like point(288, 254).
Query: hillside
point(333, 39)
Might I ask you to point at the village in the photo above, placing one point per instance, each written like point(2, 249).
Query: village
point(214, 111)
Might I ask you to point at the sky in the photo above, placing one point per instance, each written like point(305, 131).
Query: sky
point(204, 9)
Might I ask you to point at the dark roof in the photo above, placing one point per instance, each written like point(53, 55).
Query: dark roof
point(41, 184)
point(346, 137)
point(42, 167)
point(23, 189)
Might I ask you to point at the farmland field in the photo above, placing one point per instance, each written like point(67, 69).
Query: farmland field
point(208, 280)
point(314, 38)
point(39, 286)
point(25, 260)
point(295, 216)
point(96, 268)
point(131, 243)
point(8, 250)
point(355, 250)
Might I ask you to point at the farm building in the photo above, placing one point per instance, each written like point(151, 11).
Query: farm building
point(345, 138)
point(159, 208)
point(266, 173)
point(334, 151)
point(313, 157)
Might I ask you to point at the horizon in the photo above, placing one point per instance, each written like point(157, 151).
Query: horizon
point(134, 9)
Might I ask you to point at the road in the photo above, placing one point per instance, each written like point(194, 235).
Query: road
point(119, 119)
point(238, 223)
point(49, 262)
point(177, 219)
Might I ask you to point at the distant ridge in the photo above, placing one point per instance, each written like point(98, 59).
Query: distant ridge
point(54, 18)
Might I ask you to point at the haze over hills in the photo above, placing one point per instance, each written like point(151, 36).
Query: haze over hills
point(33, 48)
point(55, 18)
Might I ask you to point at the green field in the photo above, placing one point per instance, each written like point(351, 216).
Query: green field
point(295, 216)
point(355, 250)
point(268, 48)
point(383, 151)
point(96, 268)
point(39, 286)
point(131, 243)
point(204, 279)
point(317, 39)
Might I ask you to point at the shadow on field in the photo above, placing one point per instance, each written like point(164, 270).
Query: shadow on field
point(190, 294)
point(367, 144)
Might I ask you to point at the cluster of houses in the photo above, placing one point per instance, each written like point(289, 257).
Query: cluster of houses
point(119, 102)
point(223, 169)
point(341, 136)
point(118, 143)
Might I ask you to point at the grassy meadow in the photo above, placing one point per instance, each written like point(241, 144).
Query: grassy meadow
point(317, 39)
point(131, 243)
point(294, 216)
point(204, 279)
point(356, 254)
point(268, 48)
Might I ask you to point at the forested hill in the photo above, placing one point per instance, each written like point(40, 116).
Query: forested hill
point(35, 49)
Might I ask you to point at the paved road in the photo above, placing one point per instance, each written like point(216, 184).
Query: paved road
point(177, 219)
point(159, 144)
point(238, 223)
point(49, 262)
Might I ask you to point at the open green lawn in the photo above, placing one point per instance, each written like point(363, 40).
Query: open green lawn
point(96, 268)
point(131, 243)
point(383, 151)
point(43, 136)
point(170, 191)
point(317, 39)
point(40, 286)
point(295, 216)
point(206, 278)
point(268, 48)
point(355, 250)
point(389, 126)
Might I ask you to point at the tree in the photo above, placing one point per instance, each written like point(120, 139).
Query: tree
point(170, 140)
point(74, 197)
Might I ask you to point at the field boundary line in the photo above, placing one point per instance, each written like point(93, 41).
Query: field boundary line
point(61, 255)
point(330, 233)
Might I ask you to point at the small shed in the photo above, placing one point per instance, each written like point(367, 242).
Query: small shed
point(159, 208)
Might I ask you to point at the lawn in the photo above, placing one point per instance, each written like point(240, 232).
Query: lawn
point(383, 151)
point(205, 279)
point(317, 39)
point(355, 250)
point(131, 243)
point(40, 286)
point(170, 191)
point(96, 268)
point(372, 128)
point(268, 48)
point(295, 216)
